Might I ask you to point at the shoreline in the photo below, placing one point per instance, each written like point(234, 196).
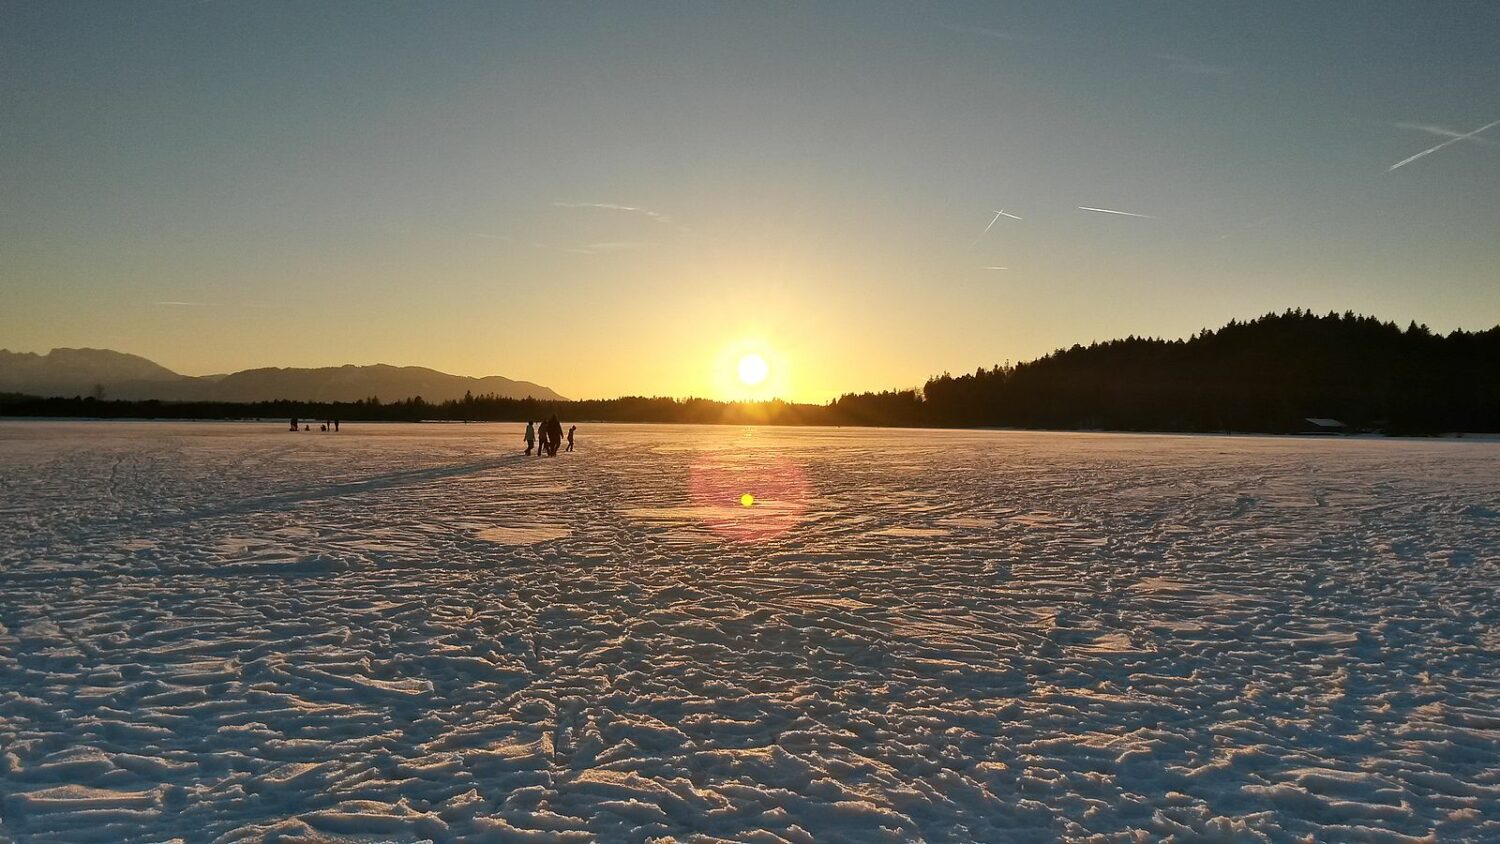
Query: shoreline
point(1456, 436)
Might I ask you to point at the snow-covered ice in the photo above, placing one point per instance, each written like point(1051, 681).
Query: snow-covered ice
point(214, 631)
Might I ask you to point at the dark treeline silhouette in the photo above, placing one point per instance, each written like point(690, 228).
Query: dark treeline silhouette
point(471, 408)
point(1266, 375)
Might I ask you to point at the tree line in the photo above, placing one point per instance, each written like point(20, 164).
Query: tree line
point(471, 408)
point(1266, 375)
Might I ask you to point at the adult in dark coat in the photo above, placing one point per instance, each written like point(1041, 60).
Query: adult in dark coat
point(553, 432)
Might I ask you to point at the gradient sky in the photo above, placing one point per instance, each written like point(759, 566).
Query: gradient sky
point(624, 197)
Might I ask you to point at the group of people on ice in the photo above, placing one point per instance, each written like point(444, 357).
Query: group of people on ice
point(547, 436)
point(328, 425)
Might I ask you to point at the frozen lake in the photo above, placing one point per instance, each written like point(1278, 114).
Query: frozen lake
point(230, 632)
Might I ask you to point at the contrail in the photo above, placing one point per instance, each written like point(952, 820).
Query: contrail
point(986, 31)
point(1187, 65)
point(1453, 140)
point(612, 206)
point(1109, 211)
point(1442, 132)
point(986, 231)
point(993, 220)
point(994, 268)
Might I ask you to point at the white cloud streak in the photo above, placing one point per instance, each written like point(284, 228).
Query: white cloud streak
point(1112, 211)
point(987, 32)
point(617, 245)
point(595, 248)
point(1453, 140)
point(176, 304)
point(1444, 132)
point(611, 206)
point(1255, 225)
point(993, 220)
point(1183, 64)
point(574, 250)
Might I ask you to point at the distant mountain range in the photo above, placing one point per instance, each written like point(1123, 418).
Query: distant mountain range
point(116, 375)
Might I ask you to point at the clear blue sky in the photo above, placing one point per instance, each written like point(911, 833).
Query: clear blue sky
point(625, 197)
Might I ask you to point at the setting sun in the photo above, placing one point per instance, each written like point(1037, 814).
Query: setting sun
point(753, 369)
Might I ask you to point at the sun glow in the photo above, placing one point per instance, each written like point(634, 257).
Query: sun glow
point(753, 369)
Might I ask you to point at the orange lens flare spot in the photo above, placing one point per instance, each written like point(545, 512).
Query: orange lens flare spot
point(777, 499)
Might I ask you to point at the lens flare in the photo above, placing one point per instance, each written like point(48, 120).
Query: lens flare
point(716, 490)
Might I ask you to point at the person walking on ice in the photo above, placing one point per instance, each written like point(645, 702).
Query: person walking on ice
point(530, 437)
point(551, 432)
point(571, 429)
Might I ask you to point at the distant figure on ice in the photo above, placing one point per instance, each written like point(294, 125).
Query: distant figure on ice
point(530, 437)
point(335, 426)
point(294, 423)
point(323, 427)
point(571, 429)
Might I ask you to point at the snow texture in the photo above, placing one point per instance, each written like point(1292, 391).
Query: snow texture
point(229, 632)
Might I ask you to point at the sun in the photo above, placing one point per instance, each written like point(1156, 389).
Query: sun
point(753, 369)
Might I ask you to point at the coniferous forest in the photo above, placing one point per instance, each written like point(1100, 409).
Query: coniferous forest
point(1266, 375)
